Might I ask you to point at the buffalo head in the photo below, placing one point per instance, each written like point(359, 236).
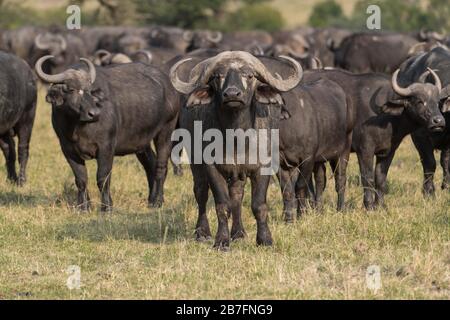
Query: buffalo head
point(232, 79)
point(422, 100)
point(53, 44)
point(72, 91)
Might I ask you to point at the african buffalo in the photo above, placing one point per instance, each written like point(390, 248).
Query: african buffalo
point(426, 142)
point(17, 112)
point(100, 113)
point(231, 90)
point(385, 114)
point(373, 52)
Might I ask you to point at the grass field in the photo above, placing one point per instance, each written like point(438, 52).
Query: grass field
point(142, 253)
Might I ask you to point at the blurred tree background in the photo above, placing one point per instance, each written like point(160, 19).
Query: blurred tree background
point(396, 15)
point(231, 15)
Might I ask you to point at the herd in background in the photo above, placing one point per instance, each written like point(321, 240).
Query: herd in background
point(329, 91)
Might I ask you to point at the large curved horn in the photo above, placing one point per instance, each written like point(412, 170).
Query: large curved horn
point(405, 92)
point(102, 53)
point(146, 54)
point(62, 41)
point(437, 80)
point(201, 73)
point(40, 44)
point(120, 58)
point(423, 34)
point(316, 63)
point(56, 78)
point(92, 71)
point(215, 39)
point(437, 36)
point(181, 86)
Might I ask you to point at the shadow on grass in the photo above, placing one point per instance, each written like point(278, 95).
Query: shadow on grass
point(164, 225)
point(23, 200)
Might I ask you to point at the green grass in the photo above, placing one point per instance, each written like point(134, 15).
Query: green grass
point(142, 253)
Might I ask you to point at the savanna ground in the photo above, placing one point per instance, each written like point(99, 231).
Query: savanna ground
point(142, 253)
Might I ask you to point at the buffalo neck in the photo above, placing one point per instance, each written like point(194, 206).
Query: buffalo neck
point(236, 118)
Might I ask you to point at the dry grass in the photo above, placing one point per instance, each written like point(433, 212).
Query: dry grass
point(141, 253)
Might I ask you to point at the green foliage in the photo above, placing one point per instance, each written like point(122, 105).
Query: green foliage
point(180, 13)
point(16, 15)
point(439, 13)
point(326, 13)
point(254, 17)
point(398, 15)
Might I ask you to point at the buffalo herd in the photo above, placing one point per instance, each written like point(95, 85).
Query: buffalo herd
point(328, 92)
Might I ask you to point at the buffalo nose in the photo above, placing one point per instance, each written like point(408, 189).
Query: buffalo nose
point(438, 121)
point(232, 92)
point(92, 114)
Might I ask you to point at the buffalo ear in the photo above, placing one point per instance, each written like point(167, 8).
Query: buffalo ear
point(267, 95)
point(446, 106)
point(199, 97)
point(54, 97)
point(388, 102)
point(392, 109)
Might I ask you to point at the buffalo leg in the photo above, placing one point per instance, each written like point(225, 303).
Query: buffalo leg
point(9, 151)
point(236, 188)
point(24, 129)
point(425, 149)
point(381, 171)
point(219, 189)
point(163, 149)
point(260, 183)
point(201, 188)
point(147, 159)
point(104, 171)
point(365, 161)
point(320, 183)
point(287, 183)
point(301, 187)
point(445, 163)
point(81, 179)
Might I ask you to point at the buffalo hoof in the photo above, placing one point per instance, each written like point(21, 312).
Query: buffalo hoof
point(106, 209)
point(288, 217)
point(155, 204)
point(178, 171)
point(428, 190)
point(21, 181)
point(239, 234)
point(202, 235)
point(222, 243)
point(263, 236)
point(202, 238)
point(223, 247)
point(83, 207)
point(264, 241)
point(13, 180)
